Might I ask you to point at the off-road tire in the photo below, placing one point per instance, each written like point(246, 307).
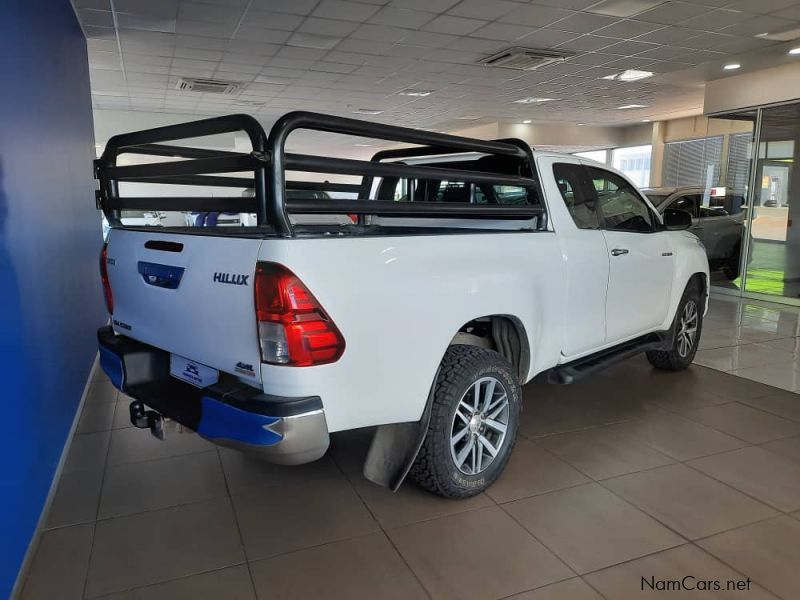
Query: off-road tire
point(672, 360)
point(435, 468)
point(731, 268)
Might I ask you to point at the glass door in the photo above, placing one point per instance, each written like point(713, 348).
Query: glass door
point(773, 260)
point(721, 164)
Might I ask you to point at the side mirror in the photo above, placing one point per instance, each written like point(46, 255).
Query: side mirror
point(676, 219)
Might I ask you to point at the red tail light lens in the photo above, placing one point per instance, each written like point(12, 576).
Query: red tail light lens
point(293, 328)
point(109, 297)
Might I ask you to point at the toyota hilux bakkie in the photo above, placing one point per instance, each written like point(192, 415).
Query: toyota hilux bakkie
point(416, 295)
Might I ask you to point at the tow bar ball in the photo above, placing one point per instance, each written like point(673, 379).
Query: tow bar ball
point(147, 419)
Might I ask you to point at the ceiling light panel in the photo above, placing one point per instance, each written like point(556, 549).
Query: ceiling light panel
point(533, 100)
point(416, 93)
point(629, 75)
point(623, 8)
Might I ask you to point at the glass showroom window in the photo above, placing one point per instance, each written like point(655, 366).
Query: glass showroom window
point(634, 162)
point(600, 156)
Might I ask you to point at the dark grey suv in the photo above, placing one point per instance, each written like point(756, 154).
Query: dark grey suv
point(717, 221)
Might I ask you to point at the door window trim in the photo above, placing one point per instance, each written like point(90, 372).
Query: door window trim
point(589, 192)
point(656, 222)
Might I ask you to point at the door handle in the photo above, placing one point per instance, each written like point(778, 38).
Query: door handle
point(618, 251)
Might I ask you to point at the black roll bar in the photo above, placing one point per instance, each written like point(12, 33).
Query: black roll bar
point(132, 142)
point(269, 161)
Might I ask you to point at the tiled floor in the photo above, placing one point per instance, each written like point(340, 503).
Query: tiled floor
point(756, 340)
point(631, 474)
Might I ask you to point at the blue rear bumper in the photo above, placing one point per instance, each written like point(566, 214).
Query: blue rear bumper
point(229, 413)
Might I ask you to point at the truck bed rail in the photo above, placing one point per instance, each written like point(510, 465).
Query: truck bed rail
point(264, 170)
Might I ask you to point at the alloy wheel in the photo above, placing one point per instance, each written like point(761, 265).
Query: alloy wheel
point(478, 429)
point(687, 328)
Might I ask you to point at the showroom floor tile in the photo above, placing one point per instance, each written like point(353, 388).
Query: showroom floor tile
point(755, 340)
point(631, 473)
point(571, 589)
point(687, 501)
point(361, 568)
point(762, 474)
point(765, 551)
point(632, 580)
point(477, 555)
point(590, 527)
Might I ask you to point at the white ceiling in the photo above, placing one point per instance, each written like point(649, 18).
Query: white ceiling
point(338, 56)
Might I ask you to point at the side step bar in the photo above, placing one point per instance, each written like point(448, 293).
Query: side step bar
point(577, 369)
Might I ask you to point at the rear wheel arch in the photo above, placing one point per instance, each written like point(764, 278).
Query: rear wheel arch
point(505, 334)
point(395, 446)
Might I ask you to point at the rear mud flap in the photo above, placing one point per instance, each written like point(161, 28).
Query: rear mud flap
point(395, 447)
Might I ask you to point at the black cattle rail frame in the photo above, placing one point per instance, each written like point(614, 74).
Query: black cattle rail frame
point(269, 162)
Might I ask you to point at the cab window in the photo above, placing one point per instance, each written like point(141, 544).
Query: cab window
point(620, 205)
point(577, 193)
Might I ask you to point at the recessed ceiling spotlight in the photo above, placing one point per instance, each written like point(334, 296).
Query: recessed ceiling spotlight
point(645, 120)
point(363, 145)
point(469, 118)
point(526, 121)
point(732, 66)
point(629, 106)
point(416, 93)
point(580, 124)
point(795, 51)
point(367, 111)
point(533, 100)
point(629, 75)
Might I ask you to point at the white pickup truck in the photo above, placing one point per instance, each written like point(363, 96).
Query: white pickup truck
point(462, 268)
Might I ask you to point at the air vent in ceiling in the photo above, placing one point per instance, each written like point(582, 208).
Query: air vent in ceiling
point(208, 86)
point(524, 59)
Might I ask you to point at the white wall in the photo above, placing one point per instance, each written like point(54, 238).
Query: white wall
point(565, 134)
point(768, 86)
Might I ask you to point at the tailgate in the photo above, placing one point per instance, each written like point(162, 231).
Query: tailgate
point(191, 295)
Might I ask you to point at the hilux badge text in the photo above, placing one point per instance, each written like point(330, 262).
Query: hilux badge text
point(232, 278)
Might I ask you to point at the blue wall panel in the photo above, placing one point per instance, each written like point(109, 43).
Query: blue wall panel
point(50, 298)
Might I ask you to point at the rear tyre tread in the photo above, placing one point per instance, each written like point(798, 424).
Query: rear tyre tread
point(433, 469)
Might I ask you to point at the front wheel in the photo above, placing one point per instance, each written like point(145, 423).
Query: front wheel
point(687, 328)
point(732, 267)
point(474, 421)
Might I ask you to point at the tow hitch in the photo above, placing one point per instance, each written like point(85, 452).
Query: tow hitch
point(147, 419)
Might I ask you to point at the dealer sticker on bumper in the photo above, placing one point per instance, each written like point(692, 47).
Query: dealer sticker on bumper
point(192, 372)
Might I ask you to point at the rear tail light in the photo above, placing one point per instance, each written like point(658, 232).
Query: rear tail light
point(109, 297)
point(293, 328)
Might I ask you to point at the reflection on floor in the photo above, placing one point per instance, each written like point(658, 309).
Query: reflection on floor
point(752, 339)
point(630, 474)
